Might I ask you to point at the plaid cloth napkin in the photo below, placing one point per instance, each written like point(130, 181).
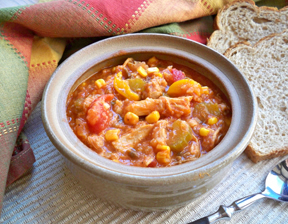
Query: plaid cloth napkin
point(34, 39)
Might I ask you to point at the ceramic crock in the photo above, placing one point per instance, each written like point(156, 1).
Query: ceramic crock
point(148, 189)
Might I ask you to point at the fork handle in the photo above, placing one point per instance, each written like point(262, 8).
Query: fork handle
point(227, 211)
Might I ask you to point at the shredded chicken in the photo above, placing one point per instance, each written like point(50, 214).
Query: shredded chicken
point(118, 106)
point(159, 133)
point(166, 106)
point(223, 107)
point(82, 128)
point(195, 148)
point(211, 142)
point(216, 136)
point(132, 138)
point(128, 60)
point(133, 65)
point(148, 159)
point(154, 88)
point(96, 142)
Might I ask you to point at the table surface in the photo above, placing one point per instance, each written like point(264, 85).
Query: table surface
point(12, 3)
point(51, 194)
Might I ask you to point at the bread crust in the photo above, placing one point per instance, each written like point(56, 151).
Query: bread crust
point(220, 31)
point(232, 48)
point(250, 4)
point(226, 7)
point(245, 43)
point(256, 156)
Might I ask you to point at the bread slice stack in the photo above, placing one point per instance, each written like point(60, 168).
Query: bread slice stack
point(264, 61)
point(242, 20)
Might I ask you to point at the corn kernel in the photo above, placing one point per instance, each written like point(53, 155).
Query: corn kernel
point(112, 135)
point(160, 147)
point(152, 61)
point(158, 74)
point(153, 117)
point(205, 90)
point(100, 83)
point(212, 120)
point(142, 71)
point(82, 85)
point(131, 118)
point(204, 132)
point(152, 70)
point(163, 157)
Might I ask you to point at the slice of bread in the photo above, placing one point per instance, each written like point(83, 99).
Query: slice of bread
point(265, 65)
point(242, 20)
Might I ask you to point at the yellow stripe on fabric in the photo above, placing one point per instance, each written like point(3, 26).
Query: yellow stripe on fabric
point(175, 11)
point(46, 53)
point(212, 6)
point(11, 129)
point(46, 50)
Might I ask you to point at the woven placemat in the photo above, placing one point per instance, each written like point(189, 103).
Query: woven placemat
point(50, 194)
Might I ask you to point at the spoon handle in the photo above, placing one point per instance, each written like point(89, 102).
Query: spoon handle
point(226, 212)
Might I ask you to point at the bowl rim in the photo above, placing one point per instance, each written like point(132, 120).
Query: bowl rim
point(111, 47)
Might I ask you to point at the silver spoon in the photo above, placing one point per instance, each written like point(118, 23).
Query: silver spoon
point(276, 187)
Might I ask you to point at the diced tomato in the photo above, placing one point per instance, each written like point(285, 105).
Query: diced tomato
point(177, 74)
point(153, 163)
point(99, 113)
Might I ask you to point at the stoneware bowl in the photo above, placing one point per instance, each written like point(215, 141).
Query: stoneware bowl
point(138, 188)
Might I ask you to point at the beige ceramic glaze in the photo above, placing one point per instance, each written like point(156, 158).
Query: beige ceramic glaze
point(148, 189)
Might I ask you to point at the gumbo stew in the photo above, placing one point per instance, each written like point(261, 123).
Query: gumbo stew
point(152, 113)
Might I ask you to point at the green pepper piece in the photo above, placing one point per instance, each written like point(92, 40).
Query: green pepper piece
point(78, 103)
point(182, 135)
point(136, 84)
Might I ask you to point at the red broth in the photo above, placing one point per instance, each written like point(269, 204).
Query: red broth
point(152, 113)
